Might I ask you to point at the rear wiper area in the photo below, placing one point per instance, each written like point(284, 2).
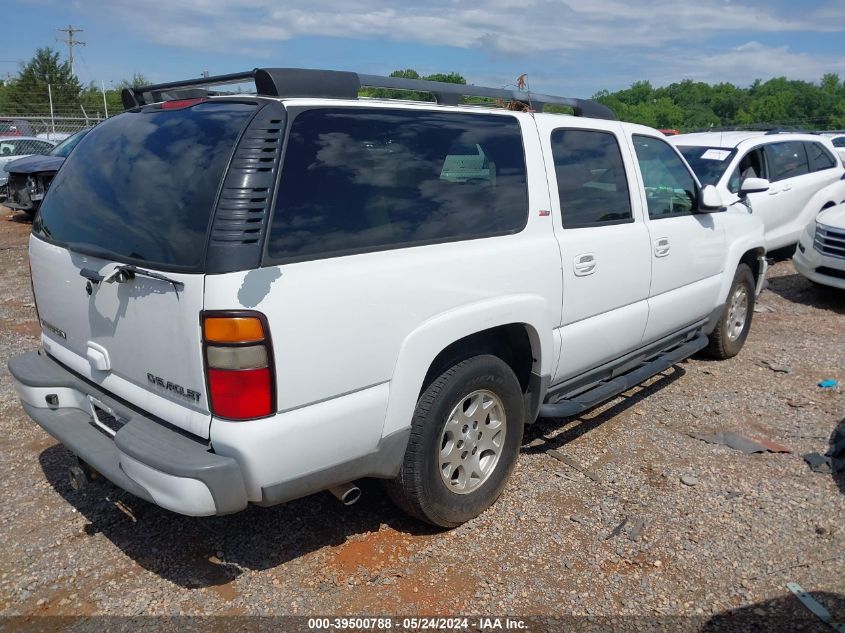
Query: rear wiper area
point(126, 272)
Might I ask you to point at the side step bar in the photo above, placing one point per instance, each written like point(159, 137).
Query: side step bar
point(569, 407)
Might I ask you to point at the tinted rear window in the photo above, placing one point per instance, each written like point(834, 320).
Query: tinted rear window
point(357, 180)
point(786, 160)
point(819, 157)
point(591, 181)
point(142, 185)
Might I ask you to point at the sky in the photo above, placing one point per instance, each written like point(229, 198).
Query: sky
point(566, 47)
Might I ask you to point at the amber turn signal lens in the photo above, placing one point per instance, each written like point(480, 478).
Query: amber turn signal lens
point(233, 329)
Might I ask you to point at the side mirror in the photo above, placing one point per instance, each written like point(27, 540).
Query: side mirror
point(753, 185)
point(709, 200)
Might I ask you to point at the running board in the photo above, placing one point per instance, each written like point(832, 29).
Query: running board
point(569, 407)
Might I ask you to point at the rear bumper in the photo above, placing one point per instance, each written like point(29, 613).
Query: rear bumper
point(145, 457)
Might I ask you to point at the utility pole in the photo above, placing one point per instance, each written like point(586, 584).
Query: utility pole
point(70, 43)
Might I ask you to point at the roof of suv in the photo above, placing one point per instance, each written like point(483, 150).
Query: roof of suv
point(288, 83)
point(735, 138)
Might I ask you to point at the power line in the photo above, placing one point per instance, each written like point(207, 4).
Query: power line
point(70, 43)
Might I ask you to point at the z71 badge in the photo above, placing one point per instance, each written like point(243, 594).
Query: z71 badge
point(189, 394)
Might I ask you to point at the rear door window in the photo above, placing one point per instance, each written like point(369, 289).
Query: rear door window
point(819, 157)
point(786, 160)
point(591, 181)
point(141, 186)
point(361, 179)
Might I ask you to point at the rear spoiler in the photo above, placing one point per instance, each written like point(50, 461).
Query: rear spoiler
point(335, 84)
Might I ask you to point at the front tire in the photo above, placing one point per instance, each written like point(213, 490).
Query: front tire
point(735, 321)
point(465, 437)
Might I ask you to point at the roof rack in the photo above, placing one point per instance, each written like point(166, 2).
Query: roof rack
point(334, 84)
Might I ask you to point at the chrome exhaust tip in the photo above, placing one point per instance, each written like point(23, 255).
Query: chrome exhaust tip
point(347, 494)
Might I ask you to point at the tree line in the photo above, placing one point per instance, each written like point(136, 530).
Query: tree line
point(28, 92)
point(686, 105)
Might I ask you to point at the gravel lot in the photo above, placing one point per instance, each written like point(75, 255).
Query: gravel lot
point(618, 534)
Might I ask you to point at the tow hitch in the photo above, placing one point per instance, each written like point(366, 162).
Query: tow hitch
point(81, 475)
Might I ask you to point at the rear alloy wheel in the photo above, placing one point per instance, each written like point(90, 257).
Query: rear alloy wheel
point(465, 437)
point(472, 441)
point(735, 321)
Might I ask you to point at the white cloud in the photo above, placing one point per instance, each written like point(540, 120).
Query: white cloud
point(749, 61)
point(508, 26)
point(589, 44)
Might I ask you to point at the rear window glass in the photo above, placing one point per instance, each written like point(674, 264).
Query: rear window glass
point(357, 180)
point(142, 185)
point(819, 157)
point(786, 160)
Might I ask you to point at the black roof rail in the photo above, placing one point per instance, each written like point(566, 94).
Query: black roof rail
point(781, 130)
point(335, 84)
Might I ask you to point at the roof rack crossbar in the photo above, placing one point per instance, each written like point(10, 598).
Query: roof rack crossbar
point(301, 82)
point(142, 95)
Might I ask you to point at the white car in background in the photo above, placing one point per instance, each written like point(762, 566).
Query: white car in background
point(784, 178)
point(838, 140)
point(820, 255)
point(15, 147)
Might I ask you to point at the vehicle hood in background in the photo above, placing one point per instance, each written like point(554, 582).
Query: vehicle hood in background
point(833, 217)
point(34, 163)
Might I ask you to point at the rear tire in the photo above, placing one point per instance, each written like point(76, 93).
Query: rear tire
point(465, 437)
point(735, 321)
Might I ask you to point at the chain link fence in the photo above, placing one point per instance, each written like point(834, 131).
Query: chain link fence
point(54, 128)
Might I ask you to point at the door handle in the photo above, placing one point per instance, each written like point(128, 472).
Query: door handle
point(787, 188)
point(661, 247)
point(584, 264)
point(773, 192)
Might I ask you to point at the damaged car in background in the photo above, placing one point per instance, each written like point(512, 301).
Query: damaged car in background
point(28, 178)
point(13, 148)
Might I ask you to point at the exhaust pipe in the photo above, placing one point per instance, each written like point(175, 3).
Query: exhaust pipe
point(347, 494)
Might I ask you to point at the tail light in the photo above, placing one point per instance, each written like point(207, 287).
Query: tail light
point(239, 364)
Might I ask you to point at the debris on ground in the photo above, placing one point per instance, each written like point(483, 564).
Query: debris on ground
point(637, 528)
point(833, 461)
point(617, 530)
point(772, 447)
point(830, 383)
point(815, 607)
point(740, 442)
point(760, 308)
point(689, 480)
point(775, 367)
point(572, 463)
point(799, 404)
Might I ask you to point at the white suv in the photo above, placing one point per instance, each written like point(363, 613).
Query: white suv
point(257, 298)
point(784, 178)
point(838, 141)
point(820, 255)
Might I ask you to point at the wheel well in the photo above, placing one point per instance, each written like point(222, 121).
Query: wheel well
point(752, 259)
point(509, 342)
